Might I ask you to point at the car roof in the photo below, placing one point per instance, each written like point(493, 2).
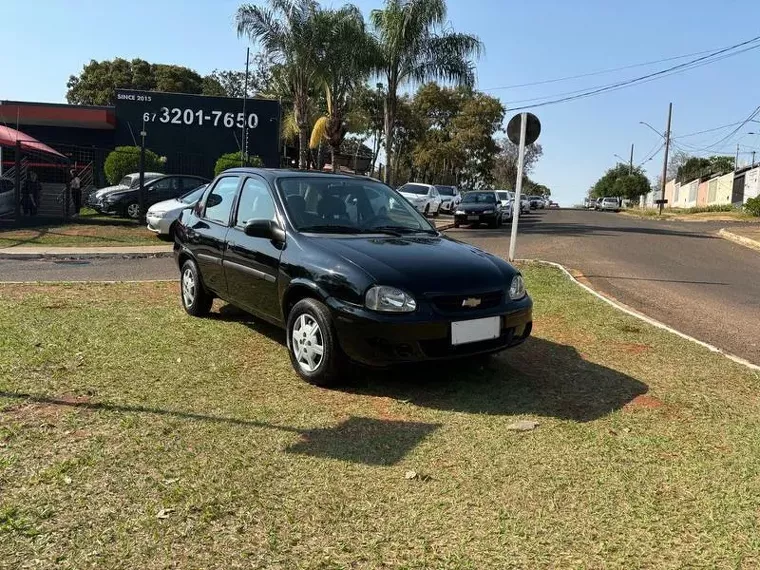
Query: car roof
point(272, 174)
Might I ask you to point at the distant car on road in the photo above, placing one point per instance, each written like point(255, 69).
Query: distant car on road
point(126, 203)
point(609, 205)
point(450, 198)
point(507, 200)
point(535, 202)
point(161, 217)
point(479, 207)
point(424, 197)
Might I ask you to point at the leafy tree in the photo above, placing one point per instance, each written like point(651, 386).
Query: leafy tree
point(232, 160)
point(696, 167)
point(231, 83)
point(286, 30)
point(505, 162)
point(535, 189)
point(619, 182)
point(366, 117)
point(125, 160)
point(344, 59)
point(473, 129)
point(413, 47)
point(677, 159)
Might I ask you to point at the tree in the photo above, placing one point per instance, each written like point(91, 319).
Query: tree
point(99, 80)
point(696, 167)
point(125, 160)
point(231, 83)
point(619, 182)
point(677, 159)
point(413, 47)
point(366, 117)
point(232, 160)
point(504, 170)
point(286, 30)
point(344, 59)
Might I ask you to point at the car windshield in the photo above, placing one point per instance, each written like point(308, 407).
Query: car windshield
point(126, 181)
point(479, 198)
point(504, 196)
point(194, 195)
point(348, 205)
point(414, 189)
point(445, 190)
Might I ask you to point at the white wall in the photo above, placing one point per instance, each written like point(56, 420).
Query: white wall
point(751, 184)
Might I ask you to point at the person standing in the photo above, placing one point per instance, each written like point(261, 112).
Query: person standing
point(76, 191)
point(30, 200)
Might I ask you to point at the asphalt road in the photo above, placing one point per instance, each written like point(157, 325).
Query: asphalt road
point(680, 273)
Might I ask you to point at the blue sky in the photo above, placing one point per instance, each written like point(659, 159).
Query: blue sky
point(525, 42)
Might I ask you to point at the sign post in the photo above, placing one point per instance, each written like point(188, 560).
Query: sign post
point(522, 130)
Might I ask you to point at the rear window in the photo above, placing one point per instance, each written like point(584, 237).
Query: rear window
point(445, 190)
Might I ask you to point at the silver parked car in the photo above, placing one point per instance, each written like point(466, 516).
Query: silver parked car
point(609, 205)
point(161, 216)
point(130, 181)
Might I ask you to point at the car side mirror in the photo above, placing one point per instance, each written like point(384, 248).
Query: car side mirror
point(267, 229)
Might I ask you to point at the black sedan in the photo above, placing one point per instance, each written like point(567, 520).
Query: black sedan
point(349, 268)
point(479, 208)
point(126, 202)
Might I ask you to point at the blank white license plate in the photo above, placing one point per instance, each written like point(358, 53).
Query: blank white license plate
point(473, 217)
point(475, 330)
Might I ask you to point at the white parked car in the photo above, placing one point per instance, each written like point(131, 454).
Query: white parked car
point(609, 205)
point(507, 200)
point(95, 200)
point(450, 198)
point(161, 216)
point(424, 197)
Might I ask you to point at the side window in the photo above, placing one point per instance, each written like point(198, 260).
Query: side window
point(255, 202)
point(163, 184)
point(219, 201)
point(190, 183)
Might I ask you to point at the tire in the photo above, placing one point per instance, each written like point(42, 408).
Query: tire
point(494, 223)
point(426, 211)
point(195, 299)
point(325, 369)
point(456, 224)
point(171, 231)
point(436, 213)
point(132, 211)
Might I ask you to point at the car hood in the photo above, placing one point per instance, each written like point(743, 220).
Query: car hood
point(476, 207)
point(169, 206)
point(108, 189)
point(116, 194)
point(422, 264)
point(413, 197)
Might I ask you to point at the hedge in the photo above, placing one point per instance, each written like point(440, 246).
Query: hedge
point(126, 160)
point(232, 160)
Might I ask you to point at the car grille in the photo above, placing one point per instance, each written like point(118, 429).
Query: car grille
point(454, 303)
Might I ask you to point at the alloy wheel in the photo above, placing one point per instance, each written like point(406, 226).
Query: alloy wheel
point(188, 287)
point(307, 343)
point(133, 210)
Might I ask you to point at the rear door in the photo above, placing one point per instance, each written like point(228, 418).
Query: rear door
point(251, 264)
point(207, 232)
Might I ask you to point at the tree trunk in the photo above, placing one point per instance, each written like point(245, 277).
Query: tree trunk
point(332, 159)
point(300, 110)
point(390, 116)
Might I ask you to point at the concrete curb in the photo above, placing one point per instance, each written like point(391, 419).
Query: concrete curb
point(741, 240)
point(127, 252)
point(633, 313)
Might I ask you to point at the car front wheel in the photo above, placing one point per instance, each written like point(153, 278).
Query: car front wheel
point(195, 299)
point(313, 345)
point(132, 210)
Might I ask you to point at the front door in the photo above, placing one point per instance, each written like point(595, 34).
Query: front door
point(251, 264)
point(207, 232)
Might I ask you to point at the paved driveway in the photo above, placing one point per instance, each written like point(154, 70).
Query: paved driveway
point(680, 273)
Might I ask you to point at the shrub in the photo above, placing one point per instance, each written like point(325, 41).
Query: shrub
point(753, 206)
point(712, 208)
point(232, 160)
point(126, 159)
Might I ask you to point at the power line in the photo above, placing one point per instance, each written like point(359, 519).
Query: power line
point(600, 72)
point(707, 130)
point(698, 62)
point(737, 129)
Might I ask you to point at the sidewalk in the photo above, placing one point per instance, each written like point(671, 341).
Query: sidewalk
point(162, 250)
point(746, 236)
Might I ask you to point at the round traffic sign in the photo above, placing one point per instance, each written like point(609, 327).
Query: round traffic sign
point(531, 132)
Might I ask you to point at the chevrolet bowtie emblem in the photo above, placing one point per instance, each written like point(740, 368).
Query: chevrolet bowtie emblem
point(472, 302)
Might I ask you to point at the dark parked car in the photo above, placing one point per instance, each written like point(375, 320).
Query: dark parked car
point(479, 208)
point(349, 268)
point(126, 202)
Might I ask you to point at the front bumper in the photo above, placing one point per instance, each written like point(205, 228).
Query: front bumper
point(481, 218)
point(379, 340)
point(158, 225)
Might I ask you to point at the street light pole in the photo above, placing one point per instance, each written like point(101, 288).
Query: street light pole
point(630, 164)
point(665, 159)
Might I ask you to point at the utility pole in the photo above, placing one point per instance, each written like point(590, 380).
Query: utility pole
point(753, 159)
point(665, 159)
point(736, 160)
point(244, 137)
point(630, 164)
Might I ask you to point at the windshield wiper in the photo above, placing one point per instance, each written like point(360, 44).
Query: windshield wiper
point(400, 230)
point(333, 229)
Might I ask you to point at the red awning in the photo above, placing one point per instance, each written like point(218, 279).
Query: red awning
point(9, 137)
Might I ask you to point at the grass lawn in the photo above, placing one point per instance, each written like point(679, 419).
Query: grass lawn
point(133, 436)
point(686, 216)
point(90, 229)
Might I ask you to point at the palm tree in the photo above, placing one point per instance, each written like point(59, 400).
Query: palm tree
point(414, 48)
point(344, 61)
point(286, 30)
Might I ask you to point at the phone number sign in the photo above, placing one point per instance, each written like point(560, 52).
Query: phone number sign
point(195, 130)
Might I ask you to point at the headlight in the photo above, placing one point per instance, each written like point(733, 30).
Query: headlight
point(517, 288)
point(459, 212)
point(488, 211)
point(156, 214)
point(389, 300)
